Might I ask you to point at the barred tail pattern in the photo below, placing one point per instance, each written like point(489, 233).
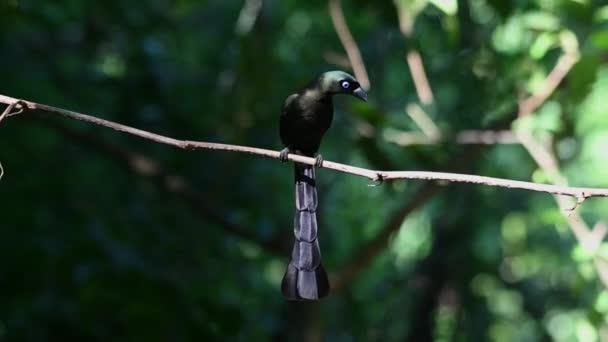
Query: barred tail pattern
point(305, 278)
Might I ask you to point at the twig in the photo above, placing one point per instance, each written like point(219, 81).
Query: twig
point(248, 16)
point(8, 110)
point(579, 201)
point(407, 17)
point(349, 44)
point(547, 160)
point(548, 163)
point(595, 237)
point(423, 120)
point(555, 77)
point(542, 156)
point(374, 175)
point(465, 137)
point(421, 82)
point(589, 239)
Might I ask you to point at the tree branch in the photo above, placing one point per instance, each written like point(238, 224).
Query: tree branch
point(247, 17)
point(423, 121)
point(589, 239)
point(576, 192)
point(555, 77)
point(348, 42)
point(465, 137)
point(421, 82)
point(407, 18)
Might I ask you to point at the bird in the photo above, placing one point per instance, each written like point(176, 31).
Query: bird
point(305, 117)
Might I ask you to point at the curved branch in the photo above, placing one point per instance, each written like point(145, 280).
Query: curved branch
point(348, 42)
point(555, 77)
point(577, 192)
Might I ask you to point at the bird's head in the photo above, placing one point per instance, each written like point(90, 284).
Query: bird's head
point(339, 82)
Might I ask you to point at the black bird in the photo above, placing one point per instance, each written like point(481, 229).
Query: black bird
point(305, 118)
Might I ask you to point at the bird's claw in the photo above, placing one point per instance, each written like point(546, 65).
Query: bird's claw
point(283, 154)
point(319, 161)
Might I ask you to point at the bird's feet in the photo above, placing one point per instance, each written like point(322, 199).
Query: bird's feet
point(283, 154)
point(319, 161)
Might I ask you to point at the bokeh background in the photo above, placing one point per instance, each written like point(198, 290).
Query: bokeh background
point(109, 237)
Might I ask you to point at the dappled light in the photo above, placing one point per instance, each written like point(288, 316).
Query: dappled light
point(143, 198)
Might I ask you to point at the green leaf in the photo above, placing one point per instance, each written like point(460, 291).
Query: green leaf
point(542, 44)
point(449, 7)
point(540, 21)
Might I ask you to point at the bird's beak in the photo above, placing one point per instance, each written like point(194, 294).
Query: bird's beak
point(360, 93)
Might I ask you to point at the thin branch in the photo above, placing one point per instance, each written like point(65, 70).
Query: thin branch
point(542, 156)
point(248, 16)
point(546, 159)
point(465, 137)
point(488, 137)
point(8, 110)
point(555, 77)
point(421, 82)
point(348, 42)
point(407, 17)
point(589, 239)
point(597, 235)
point(548, 163)
point(6, 113)
point(576, 192)
point(423, 120)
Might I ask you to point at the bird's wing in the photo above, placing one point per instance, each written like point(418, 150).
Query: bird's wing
point(288, 101)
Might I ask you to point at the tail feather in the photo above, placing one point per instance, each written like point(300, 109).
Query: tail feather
point(306, 255)
point(305, 278)
point(305, 226)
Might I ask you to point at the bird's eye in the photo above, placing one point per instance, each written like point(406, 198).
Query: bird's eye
point(345, 84)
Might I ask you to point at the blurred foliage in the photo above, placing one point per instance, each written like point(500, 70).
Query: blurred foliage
point(93, 252)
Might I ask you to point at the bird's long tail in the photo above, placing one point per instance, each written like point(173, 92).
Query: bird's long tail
point(305, 278)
